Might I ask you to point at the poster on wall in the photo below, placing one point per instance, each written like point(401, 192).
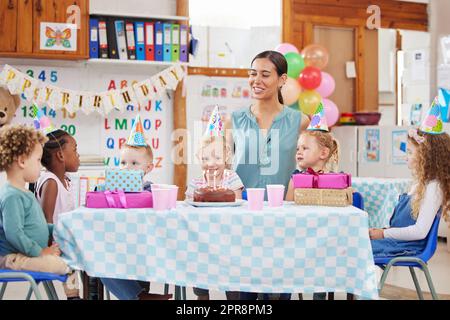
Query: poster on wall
point(58, 36)
point(399, 139)
point(372, 145)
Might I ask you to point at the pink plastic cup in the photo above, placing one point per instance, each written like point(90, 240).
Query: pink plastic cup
point(275, 195)
point(173, 195)
point(255, 198)
point(160, 199)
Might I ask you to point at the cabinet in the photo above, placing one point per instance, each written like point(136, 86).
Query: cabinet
point(20, 22)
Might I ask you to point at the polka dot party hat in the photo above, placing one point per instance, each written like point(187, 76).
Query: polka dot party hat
point(318, 120)
point(136, 138)
point(41, 121)
point(215, 125)
point(432, 124)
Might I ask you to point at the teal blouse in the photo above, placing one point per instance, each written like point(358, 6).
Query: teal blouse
point(265, 159)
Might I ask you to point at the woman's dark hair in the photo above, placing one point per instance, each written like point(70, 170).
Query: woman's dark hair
point(279, 62)
point(55, 142)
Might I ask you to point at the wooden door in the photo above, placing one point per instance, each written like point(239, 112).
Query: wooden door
point(56, 11)
point(25, 26)
point(8, 25)
point(340, 43)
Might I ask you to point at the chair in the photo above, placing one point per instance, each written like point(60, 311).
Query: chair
point(358, 200)
point(34, 278)
point(418, 261)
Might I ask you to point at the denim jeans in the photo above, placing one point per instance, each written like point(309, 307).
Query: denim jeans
point(123, 289)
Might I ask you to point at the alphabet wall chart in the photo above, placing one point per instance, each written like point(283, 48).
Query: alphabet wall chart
point(100, 135)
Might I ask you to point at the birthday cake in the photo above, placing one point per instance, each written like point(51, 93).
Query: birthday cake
point(210, 194)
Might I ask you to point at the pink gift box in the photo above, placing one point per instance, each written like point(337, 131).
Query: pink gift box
point(322, 180)
point(119, 199)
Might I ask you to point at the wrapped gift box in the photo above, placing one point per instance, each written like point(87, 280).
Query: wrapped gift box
point(119, 199)
point(124, 180)
point(322, 180)
point(323, 197)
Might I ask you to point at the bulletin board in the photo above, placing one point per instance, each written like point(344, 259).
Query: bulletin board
point(101, 136)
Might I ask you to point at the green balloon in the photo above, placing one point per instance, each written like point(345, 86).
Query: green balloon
point(296, 64)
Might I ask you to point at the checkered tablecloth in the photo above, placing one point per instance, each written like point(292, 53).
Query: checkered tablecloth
point(380, 197)
point(289, 249)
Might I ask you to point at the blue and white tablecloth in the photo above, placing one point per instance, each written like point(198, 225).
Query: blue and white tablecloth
point(290, 249)
point(380, 197)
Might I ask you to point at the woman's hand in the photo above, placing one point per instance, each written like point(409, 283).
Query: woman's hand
point(375, 233)
point(52, 250)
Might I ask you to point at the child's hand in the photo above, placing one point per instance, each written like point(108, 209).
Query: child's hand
point(53, 250)
point(375, 234)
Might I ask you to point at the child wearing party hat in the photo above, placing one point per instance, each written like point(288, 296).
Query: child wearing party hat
point(24, 233)
point(428, 154)
point(318, 150)
point(135, 155)
point(215, 159)
point(59, 157)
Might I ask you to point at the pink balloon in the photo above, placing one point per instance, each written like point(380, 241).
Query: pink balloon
point(327, 86)
point(284, 48)
point(331, 112)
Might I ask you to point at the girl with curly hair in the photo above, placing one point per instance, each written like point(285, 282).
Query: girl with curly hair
point(428, 154)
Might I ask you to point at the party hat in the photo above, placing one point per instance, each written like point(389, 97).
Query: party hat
point(41, 121)
point(215, 124)
point(432, 123)
point(319, 121)
point(136, 138)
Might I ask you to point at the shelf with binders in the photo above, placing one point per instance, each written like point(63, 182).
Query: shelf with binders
point(138, 38)
point(133, 62)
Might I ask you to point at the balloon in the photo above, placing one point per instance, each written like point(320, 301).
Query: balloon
point(310, 78)
point(327, 85)
point(284, 48)
point(309, 101)
point(296, 64)
point(315, 56)
point(331, 112)
point(290, 91)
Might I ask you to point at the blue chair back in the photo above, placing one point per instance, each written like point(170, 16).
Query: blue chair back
point(432, 239)
point(244, 194)
point(358, 200)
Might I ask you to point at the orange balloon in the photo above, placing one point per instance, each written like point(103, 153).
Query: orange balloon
point(309, 101)
point(291, 91)
point(315, 56)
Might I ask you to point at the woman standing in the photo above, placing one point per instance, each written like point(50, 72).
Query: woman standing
point(265, 134)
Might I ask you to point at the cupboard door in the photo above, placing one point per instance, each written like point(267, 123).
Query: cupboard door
point(8, 25)
point(25, 26)
point(56, 11)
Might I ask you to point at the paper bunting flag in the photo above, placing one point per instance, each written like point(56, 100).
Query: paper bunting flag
point(136, 138)
point(319, 121)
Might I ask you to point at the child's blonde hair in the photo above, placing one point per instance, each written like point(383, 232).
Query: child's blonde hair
point(432, 163)
point(326, 140)
point(16, 141)
point(208, 140)
point(148, 150)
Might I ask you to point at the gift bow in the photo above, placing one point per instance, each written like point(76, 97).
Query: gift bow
point(112, 202)
point(315, 176)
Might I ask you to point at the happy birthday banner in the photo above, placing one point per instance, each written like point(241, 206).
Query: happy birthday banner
point(139, 93)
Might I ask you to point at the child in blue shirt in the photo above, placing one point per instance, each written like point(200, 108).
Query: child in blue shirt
point(24, 233)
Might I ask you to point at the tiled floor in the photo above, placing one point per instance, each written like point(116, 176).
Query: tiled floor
point(398, 279)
